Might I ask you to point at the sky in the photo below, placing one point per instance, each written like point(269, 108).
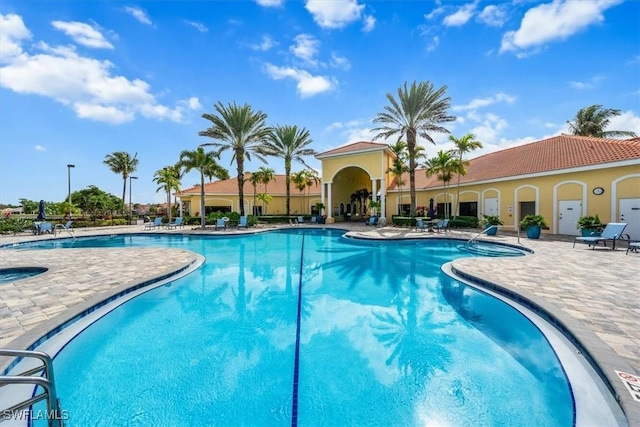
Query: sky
point(82, 79)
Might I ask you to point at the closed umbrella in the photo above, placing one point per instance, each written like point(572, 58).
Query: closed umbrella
point(432, 212)
point(42, 215)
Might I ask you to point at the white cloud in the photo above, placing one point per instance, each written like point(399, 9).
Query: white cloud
point(308, 85)
point(12, 34)
point(626, 121)
point(340, 62)
point(39, 147)
point(85, 84)
point(266, 44)
point(198, 26)
point(305, 48)
point(192, 103)
point(435, 41)
point(490, 128)
point(139, 14)
point(553, 21)
point(590, 84)
point(434, 13)
point(461, 16)
point(369, 23)
point(83, 34)
point(483, 102)
point(493, 15)
point(270, 3)
point(335, 13)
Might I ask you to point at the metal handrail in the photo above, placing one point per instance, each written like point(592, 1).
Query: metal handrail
point(479, 234)
point(47, 382)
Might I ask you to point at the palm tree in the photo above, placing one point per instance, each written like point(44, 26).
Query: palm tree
point(419, 111)
point(399, 167)
point(444, 165)
point(241, 130)
point(201, 160)
point(463, 145)
point(299, 179)
point(593, 120)
point(265, 199)
point(290, 143)
point(311, 178)
point(168, 179)
point(255, 179)
point(214, 170)
point(267, 175)
point(121, 162)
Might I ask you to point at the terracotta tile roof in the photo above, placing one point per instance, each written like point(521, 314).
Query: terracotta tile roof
point(552, 154)
point(355, 147)
point(230, 187)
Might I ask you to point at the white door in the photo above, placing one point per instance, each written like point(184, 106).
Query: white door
point(491, 206)
point(630, 213)
point(570, 212)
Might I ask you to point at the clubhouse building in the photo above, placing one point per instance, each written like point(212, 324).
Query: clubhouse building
point(561, 178)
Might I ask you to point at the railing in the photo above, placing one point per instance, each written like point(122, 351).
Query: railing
point(486, 230)
point(45, 379)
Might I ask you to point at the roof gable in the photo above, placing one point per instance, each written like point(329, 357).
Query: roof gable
point(354, 148)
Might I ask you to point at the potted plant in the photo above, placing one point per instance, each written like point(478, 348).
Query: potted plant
point(321, 217)
point(533, 224)
point(590, 225)
point(488, 221)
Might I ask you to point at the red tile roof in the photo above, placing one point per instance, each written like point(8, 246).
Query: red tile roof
point(230, 187)
point(353, 148)
point(552, 154)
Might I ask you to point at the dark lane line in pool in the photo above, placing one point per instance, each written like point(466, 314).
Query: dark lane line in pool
point(296, 362)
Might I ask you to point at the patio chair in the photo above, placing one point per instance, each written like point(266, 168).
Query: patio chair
point(420, 225)
point(243, 222)
point(633, 247)
point(45, 227)
point(221, 224)
point(63, 227)
point(372, 221)
point(314, 220)
point(300, 220)
point(443, 224)
point(175, 224)
point(155, 224)
point(612, 232)
point(381, 222)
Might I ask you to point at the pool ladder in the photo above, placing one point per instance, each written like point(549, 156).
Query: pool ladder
point(41, 375)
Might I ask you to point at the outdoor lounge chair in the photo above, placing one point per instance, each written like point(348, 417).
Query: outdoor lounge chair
point(300, 220)
point(314, 219)
point(221, 224)
point(45, 227)
point(63, 227)
point(612, 232)
point(443, 224)
point(175, 224)
point(243, 222)
point(372, 221)
point(420, 225)
point(152, 225)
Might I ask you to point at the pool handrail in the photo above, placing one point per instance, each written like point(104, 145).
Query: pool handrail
point(47, 382)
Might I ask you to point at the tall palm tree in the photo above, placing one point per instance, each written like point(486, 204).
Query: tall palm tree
point(255, 179)
point(593, 120)
point(289, 143)
point(419, 111)
point(122, 163)
point(200, 160)
point(241, 130)
point(267, 175)
point(214, 170)
point(312, 178)
point(463, 145)
point(168, 179)
point(444, 165)
point(399, 166)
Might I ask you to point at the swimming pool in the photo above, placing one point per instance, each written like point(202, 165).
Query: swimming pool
point(309, 327)
point(18, 273)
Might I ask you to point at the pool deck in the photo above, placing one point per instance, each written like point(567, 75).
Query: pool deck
point(592, 294)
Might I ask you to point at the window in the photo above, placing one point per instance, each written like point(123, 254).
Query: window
point(469, 209)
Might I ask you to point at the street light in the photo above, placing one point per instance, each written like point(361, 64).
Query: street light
point(69, 185)
point(131, 191)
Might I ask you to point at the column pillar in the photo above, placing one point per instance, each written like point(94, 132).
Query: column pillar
point(322, 199)
point(383, 198)
point(180, 207)
point(374, 189)
point(329, 204)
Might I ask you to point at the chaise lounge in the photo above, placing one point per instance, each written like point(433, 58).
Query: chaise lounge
point(612, 232)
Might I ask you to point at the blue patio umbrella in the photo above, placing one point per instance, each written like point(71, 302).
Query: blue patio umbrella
point(42, 215)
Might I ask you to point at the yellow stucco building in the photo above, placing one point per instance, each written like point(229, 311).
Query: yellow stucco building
point(562, 178)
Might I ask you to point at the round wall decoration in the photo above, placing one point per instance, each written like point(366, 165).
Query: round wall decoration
point(598, 191)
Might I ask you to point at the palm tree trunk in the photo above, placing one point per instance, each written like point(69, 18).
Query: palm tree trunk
point(240, 162)
point(411, 146)
point(255, 190)
point(169, 204)
point(457, 207)
point(124, 192)
point(203, 221)
point(287, 180)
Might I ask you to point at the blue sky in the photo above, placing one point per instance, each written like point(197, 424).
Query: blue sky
point(82, 79)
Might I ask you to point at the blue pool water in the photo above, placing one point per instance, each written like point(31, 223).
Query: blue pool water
point(308, 328)
point(18, 273)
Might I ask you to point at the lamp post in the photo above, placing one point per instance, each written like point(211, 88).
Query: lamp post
point(69, 186)
point(131, 191)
